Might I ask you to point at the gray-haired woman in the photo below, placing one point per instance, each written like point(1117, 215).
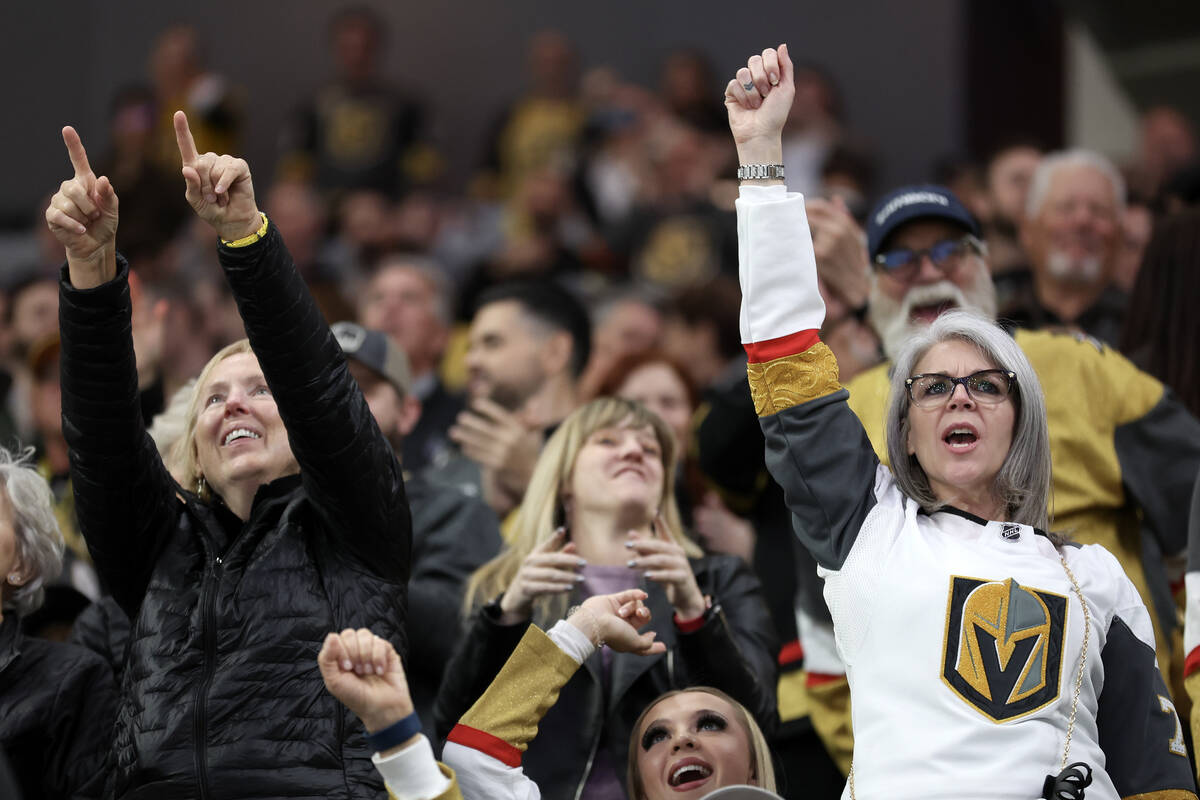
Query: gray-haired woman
point(57, 701)
point(986, 658)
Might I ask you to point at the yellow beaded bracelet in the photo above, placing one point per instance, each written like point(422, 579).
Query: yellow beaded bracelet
point(252, 238)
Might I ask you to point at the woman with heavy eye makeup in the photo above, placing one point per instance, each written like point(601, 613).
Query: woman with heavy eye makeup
point(687, 744)
point(987, 656)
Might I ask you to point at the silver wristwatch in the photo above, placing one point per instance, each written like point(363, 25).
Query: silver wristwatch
point(760, 172)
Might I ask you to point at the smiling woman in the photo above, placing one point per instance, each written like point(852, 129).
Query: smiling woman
point(291, 520)
point(599, 517)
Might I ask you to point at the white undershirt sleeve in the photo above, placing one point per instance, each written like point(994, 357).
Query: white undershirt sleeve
point(412, 773)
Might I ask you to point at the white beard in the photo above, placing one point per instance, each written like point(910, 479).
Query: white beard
point(892, 319)
point(1086, 270)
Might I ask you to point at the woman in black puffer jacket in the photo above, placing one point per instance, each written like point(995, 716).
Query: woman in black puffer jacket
point(294, 520)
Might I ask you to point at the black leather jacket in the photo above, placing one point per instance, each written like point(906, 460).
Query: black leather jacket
point(57, 704)
point(221, 696)
point(735, 650)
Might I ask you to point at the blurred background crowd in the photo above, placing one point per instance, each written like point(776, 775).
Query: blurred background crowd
point(533, 237)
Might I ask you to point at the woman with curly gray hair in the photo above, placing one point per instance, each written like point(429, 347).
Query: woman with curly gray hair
point(57, 701)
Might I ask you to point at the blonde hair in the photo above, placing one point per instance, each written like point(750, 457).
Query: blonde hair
point(183, 460)
point(760, 753)
point(542, 512)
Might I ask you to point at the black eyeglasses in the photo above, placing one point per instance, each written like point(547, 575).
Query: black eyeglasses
point(946, 255)
point(988, 386)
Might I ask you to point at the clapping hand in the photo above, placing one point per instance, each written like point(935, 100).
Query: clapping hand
point(550, 569)
point(615, 620)
point(82, 215)
point(663, 561)
point(499, 441)
point(219, 188)
point(840, 248)
point(364, 672)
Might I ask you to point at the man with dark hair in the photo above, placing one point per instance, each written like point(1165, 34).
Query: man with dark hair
point(701, 330)
point(453, 532)
point(528, 345)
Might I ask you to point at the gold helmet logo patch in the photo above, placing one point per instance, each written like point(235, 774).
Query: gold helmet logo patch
point(1004, 646)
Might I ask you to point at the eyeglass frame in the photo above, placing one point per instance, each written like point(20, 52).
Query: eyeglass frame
point(910, 268)
point(964, 382)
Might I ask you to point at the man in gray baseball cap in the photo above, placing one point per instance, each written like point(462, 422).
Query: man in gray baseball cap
point(453, 532)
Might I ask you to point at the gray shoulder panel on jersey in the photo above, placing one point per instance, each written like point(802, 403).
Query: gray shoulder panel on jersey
point(1159, 456)
point(819, 454)
point(1140, 732)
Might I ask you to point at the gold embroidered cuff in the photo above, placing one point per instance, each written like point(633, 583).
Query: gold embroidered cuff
point(792, 380)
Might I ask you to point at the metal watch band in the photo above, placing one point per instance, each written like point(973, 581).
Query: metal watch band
point(760, 172)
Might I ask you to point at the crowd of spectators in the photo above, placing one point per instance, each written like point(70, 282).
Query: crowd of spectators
point(594, 254)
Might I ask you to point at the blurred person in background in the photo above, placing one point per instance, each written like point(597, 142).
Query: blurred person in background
point(182, 81)
point(453, 533)
point(814, 128)
point(1071, 235)
point(1007, 177)
point(542, 127)
point(409, 298)
point(1137, 226)
point(600, 517)
point(626, 323)
point(31, 316)
point(528, 346)
point(1162, 329)
point(358, 131)
point(57, 701)
point(1166, 144)
point(688, 86)
point(701, 330)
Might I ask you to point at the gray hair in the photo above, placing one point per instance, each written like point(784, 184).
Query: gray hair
point(1023, 482)
point(1039, 185)
point(39, 541)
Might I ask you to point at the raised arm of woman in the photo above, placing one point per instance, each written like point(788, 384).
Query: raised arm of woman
point(124, 498)
point(348, 467)
point(816, 448)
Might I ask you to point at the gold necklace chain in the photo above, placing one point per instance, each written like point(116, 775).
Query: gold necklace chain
point(1087, 636)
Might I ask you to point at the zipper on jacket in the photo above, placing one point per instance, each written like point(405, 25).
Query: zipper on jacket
point(209, 634)
point(587, 770)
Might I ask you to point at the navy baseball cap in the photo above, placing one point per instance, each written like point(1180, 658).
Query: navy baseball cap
point(908, 203)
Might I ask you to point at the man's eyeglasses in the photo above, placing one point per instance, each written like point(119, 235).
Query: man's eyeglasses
point(946, 255)
point(989, 386)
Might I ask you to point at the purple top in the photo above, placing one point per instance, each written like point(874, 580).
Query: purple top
point(603, 782)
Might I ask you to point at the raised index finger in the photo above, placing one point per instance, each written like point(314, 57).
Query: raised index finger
point(183, 137)
point(75, 150)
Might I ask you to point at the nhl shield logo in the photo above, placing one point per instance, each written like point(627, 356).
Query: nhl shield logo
point(1004, 646)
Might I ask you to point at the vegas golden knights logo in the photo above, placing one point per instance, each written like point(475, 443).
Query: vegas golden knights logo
point(1004, 646)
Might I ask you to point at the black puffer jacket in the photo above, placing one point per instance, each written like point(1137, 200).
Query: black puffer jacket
point(57, 704)
point(735, 650)
point(221, 696)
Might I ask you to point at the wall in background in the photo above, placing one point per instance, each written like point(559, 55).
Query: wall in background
point(897, 64)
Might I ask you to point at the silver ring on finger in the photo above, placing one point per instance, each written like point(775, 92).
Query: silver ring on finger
point(749, 86)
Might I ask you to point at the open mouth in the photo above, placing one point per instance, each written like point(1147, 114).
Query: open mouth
point(960, 438)
point(239, 433)
point(689, 775)
point(927, 313)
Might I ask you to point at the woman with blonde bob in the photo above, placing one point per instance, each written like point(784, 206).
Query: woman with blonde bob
point(600, 517)
point(687, 744)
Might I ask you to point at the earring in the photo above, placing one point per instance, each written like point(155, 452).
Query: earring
point(200, 486)
point(14, 578)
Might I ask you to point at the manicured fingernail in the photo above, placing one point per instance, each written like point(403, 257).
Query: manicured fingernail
point(346, 665)
point(579, 579)
point(378, 670)
point(80, 228)
point(582, 562)
point(629, 544)
point(774, 79)
point(631, 562)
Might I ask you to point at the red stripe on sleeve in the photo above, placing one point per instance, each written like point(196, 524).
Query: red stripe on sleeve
point(822, 678)
point(1192, 663)
point(485, 743)
point(790, 345)
point(790, 653)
